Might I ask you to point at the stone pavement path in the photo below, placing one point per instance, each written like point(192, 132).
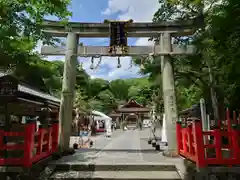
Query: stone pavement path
point(131, 147)
point(122, 149)
point(87, 155)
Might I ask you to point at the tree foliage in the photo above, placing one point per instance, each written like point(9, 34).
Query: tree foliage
point(119, 88)
point(19, 33)
point(211, 72)
point(105, 96)
point(20, 27)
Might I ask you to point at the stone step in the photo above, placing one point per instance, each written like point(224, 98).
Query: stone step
point(117, 175)
point(115, 167)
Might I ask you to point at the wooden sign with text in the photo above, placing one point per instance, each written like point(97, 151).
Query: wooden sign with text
point(8, 87)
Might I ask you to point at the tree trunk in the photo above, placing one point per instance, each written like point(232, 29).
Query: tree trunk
point(213, 94)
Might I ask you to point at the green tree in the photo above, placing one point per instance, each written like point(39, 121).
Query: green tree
point(133, 92)
point(20, 27)
point(20, 31)
point(96, 105)
point(108, 100)
point(213, 69)
point(97, 85)
point(119, 88)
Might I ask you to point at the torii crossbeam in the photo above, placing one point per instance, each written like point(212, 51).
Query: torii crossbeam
point(101, 30)
point(89, 51)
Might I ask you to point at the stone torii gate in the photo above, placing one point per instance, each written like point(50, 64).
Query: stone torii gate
point(75, 30)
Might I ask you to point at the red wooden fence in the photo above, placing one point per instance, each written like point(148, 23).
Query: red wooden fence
point(44, 143)
point(206, 147)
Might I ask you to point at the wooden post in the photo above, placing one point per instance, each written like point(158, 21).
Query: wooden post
point(234, 140)
point(198, 136)
point(40, 139)
point(49, 145)
point(55, 131)
point(28, 143)
point(218, 144)
point(179, 136)
point(68, 90)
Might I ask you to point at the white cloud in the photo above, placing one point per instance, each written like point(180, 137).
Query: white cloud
point(107, 11)
point(144, 42)
point(138, 10)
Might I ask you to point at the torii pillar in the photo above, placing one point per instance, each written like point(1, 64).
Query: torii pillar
point(68, 91)
point(169, 96)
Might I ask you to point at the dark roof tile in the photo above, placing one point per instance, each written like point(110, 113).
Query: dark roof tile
point(40, 94)
point(31, 91)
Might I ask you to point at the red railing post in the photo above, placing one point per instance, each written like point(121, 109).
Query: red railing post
point(28, 143)
point(200, 150)
point(190, 140)
point(49, 145)
point(184, 140)
point(55, 134)
point(179, 136)
point(234, 148)
point(40, 139)
point(218, 144)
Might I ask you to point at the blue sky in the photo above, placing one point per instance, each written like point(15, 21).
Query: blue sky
point(97, 11)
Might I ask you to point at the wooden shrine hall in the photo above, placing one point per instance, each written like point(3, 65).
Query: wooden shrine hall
point(19, 99)
point(132, 112)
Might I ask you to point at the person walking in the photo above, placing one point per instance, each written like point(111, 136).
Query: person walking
point(112, 126)
point(86, 136)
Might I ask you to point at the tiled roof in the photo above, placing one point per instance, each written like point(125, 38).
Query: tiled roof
point(132, 103)
point(132, 106)
point(28, 90)
point(133, 110)
point(40, 94)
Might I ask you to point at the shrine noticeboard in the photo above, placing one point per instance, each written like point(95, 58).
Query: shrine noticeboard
point(8, 87)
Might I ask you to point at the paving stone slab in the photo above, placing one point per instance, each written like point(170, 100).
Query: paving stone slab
point(129, 148)
point(116, 167)
point(120, 175)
